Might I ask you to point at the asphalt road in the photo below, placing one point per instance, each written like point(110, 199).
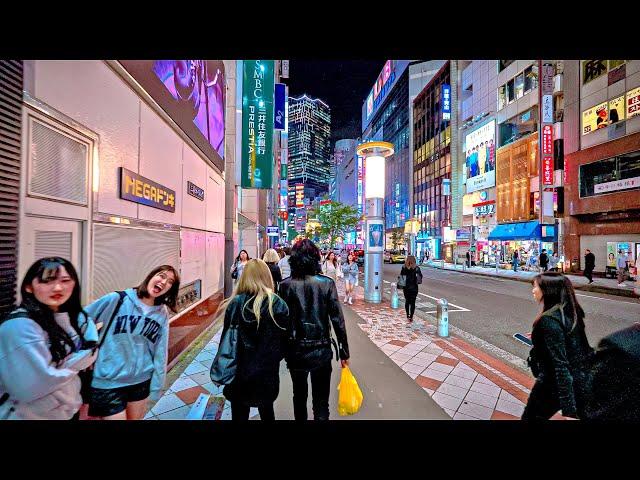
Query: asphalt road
point(499, 308)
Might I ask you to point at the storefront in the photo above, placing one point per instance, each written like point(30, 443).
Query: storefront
point(119, 178)
point(528, 238)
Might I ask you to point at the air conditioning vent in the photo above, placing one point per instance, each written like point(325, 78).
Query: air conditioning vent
point(53, 244)
point(58, 164)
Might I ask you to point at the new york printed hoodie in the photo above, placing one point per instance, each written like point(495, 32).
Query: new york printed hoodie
point(37, 388)
point(134, 349)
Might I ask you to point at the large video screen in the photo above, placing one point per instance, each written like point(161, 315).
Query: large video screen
point(192, 93)
point(480, 154)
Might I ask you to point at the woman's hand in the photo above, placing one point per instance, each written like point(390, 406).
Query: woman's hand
point(344, 363)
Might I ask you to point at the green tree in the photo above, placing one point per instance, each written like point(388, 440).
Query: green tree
point(336, 220)
point(397, 239)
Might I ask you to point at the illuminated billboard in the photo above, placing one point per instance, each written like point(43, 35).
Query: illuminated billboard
point(480, 154)
point(381, 88)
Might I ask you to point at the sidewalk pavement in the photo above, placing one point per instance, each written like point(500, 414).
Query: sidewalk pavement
point(442, 375)
point(600, 285)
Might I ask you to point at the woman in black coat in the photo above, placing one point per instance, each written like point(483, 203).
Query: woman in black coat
point(561, 353)
point(314, 309)
point(263, 332)
point(413, 277)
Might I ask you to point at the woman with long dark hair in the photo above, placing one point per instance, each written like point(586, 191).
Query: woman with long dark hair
point(561, 352)
point(413, 277)
point(44, 344)
point(263, 332)
point(313, 304)
point(132, 360)
point(238, 266)
point(331, 267)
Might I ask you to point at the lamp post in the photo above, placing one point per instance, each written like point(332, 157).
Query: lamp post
point(412, 227)
point(374, 154)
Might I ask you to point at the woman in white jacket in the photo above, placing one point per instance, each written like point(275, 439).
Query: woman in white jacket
point(331, 267)
point(44, 344)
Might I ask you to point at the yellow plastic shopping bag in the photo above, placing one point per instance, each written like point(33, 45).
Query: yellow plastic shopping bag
point(350, 396)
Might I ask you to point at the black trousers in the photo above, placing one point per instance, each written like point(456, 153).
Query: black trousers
point(410, 302)
point(320, 387)
point(240, 412)
point(589, 274)
point(542, 404)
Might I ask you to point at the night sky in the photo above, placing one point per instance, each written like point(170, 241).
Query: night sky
point(341, 84)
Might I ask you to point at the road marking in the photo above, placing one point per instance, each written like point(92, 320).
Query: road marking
point(460, 309)
point(608, 299)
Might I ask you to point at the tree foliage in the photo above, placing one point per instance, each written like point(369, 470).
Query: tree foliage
point(336, 220)
point(397, 239)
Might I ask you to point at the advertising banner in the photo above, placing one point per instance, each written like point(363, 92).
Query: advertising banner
point(616, 109)
point(257, 124)
point(138, 189)
point(446, 102)
point(273, 231)
point(623, 184)
point(594, 118)
point(280, 99)
point(633, 102)
point(480, 153)
point(375, 235)
point(192, 93)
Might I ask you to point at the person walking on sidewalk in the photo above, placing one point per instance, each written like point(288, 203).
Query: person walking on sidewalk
point(314, 308)
point(621, 266)
point(553, 262)
point(515, 260)
point(44, 345)
point(285, 269)
point(263, 332)
point(132, 361)
point(238, 266)
point(544, 260)
point(589, 264)
point(561, 353)
point(350, 273)
point(271, 258)
point(413, 277)
point(331, 267)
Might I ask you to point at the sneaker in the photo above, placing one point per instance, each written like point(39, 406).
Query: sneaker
point(350, 300)
point(621, 285)
point(346, 299)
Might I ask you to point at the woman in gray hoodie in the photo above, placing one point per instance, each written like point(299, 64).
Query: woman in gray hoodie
point(132, 361)
point(44, 344)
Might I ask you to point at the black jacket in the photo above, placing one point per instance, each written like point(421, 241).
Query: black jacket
point(261, 347)
point(589, 261)
point(544, 260)
point(313, 308)
point(276, 274)
point(615, 383)
point(561, 356)
point(412, 275)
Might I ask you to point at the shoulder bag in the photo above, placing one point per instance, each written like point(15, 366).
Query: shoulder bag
point(402, 281)
point(225, 364)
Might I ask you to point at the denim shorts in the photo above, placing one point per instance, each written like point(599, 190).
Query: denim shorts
point(107, 402)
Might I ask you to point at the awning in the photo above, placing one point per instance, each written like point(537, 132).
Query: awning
point(522, 231)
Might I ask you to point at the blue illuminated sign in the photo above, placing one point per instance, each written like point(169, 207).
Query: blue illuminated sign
point(446, 102)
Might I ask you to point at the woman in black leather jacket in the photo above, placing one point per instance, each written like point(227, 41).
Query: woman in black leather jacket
point(313, 307)
point(560, 355)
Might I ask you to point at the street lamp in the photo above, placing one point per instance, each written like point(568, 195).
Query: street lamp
point(374, 154)
point(412, 227)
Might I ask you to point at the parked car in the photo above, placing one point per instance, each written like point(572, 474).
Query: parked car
point(397, 257)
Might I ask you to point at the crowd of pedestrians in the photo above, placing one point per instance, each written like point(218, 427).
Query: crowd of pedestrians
point(60, 360)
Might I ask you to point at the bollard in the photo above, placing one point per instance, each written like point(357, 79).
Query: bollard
point(394, 296)
point(443, 317)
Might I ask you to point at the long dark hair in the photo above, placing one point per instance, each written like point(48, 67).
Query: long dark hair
point(335, 259)
point(171, 297)
point(305, 258)
point(45, 270)
point(557, 290)
point(238, 257)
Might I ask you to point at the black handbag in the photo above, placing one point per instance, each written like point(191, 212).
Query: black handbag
point(225, 364)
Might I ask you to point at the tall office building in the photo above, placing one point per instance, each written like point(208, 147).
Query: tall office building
point(309, 146)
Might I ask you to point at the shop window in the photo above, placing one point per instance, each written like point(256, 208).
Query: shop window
point(519, 86)
point(607, 176)
point(530, 78)
point(510, 91)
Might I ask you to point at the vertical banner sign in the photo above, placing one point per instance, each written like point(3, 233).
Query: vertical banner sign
point(285, 69)
point(280, 98)
point(257, 124)
point(547, 155)
point(545, 149)
point(446, 102)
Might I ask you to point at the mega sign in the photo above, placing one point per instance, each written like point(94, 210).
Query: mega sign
point(138, 189)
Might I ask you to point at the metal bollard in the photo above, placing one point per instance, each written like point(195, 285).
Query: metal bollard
point(395, 302)
point(443, 317)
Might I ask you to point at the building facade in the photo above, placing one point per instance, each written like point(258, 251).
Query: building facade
point(432, 167)
point(309, 145)
point(120, 175)
point(602, 160)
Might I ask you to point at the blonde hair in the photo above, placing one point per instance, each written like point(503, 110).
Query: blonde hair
point(410, 262)
point(257, 282)
point(271, 256)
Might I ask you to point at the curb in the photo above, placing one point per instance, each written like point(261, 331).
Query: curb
point(586, 288)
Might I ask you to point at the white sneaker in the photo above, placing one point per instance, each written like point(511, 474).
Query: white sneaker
point(346, 299)
point(621, 285)
point(350, 300)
